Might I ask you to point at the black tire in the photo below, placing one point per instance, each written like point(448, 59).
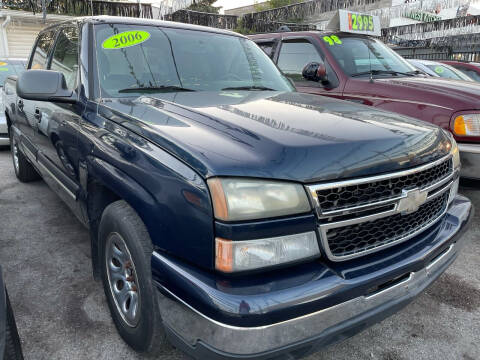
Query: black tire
point(24, 171)
point(148, 335)
point(13, 348)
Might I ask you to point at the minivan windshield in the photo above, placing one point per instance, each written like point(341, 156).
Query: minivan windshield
point(359, 55)
point(134, 59)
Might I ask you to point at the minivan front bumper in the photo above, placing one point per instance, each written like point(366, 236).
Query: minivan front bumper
point(204, 337)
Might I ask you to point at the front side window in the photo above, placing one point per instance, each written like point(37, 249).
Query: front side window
point(136, 59)
point(65, 56)
point(359, 55)
point(42, 48)
point(293, 57)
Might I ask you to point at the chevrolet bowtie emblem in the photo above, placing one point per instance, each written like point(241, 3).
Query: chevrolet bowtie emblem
point(412, 200)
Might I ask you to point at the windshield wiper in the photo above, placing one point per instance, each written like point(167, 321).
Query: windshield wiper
point(378, 72)
point(259, 88)
point(154, 89)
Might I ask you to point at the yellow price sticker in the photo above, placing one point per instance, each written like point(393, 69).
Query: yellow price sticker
point(126, 39)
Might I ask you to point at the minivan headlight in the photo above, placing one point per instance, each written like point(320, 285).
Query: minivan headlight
point(467, 125)
point(237, 199)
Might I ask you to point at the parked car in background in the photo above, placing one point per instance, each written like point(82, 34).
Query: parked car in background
point(471, 69)
point(229, 213)
point(7, 67)
point(10, 346)
point(438, 69)
point(361, 69)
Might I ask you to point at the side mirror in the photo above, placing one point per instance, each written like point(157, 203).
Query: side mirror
point(315, 71)
point(44, 85)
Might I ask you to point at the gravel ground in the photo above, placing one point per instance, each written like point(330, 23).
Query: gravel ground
point(62, 313)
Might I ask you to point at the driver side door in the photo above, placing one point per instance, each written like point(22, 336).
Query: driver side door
point(292, 56)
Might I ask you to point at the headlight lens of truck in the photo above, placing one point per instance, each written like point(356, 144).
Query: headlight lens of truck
point(453, 150)
point(236, 199)
point(455, 154)
point(467, 125)
point(233, 256)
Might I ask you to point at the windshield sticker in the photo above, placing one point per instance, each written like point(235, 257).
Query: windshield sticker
point(3, 69)
point(332, 40)
point(2, 63)
point(439, 69)
point(126, 39)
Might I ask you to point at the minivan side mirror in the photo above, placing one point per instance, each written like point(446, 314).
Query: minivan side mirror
point(44, 85)
point(315, 71)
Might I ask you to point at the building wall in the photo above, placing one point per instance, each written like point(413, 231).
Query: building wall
point(242, 10)
point(18, 36)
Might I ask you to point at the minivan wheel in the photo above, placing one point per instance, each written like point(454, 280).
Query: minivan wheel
point(24, 171)
point(126, 251)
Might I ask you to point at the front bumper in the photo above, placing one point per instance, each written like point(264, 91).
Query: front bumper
point(470, 159)
point(4, 140)
point(204, 337)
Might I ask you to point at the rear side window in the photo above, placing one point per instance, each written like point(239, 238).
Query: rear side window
point(294, 55)
point(65, 55)
point(267, 47)
point(42, 48)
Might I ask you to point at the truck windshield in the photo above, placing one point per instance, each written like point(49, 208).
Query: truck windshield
point(7, 68)
point(358, 55)
point(136, 59)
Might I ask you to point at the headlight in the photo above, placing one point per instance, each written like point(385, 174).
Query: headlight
point(467, 125)
point(233, 256)
point(455, 153)
point(236, 199)
point(454, 150)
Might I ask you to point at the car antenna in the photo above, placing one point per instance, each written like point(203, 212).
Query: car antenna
point(370, 64)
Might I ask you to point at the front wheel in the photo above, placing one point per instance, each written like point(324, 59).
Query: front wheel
point(126, 251)
point(24, 171)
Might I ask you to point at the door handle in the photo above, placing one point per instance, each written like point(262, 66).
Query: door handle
point(20, 104)
point(38, 114)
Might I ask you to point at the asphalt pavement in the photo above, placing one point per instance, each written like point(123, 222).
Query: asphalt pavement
point(62, 313)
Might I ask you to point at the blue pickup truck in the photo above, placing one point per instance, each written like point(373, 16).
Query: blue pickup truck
point(229, 214)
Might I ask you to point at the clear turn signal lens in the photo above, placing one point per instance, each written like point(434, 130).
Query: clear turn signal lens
point(233, 256)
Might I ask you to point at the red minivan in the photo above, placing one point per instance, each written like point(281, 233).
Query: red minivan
point(362, 69)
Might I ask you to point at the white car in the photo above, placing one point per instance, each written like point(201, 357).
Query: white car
point(438, 69)
point(8, 67)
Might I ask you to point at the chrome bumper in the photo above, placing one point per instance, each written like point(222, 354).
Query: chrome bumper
point(470, 158)
point(4, 140)
point(200, 335)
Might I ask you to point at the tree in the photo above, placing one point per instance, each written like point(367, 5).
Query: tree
point(204, 6)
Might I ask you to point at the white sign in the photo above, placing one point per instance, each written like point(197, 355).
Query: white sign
point(354, 22)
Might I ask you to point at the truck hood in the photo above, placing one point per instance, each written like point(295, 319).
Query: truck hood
point(291, 136)
point(455, 94)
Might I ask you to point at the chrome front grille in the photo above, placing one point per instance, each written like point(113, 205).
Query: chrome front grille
point(357, 238)
point(360, 216)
